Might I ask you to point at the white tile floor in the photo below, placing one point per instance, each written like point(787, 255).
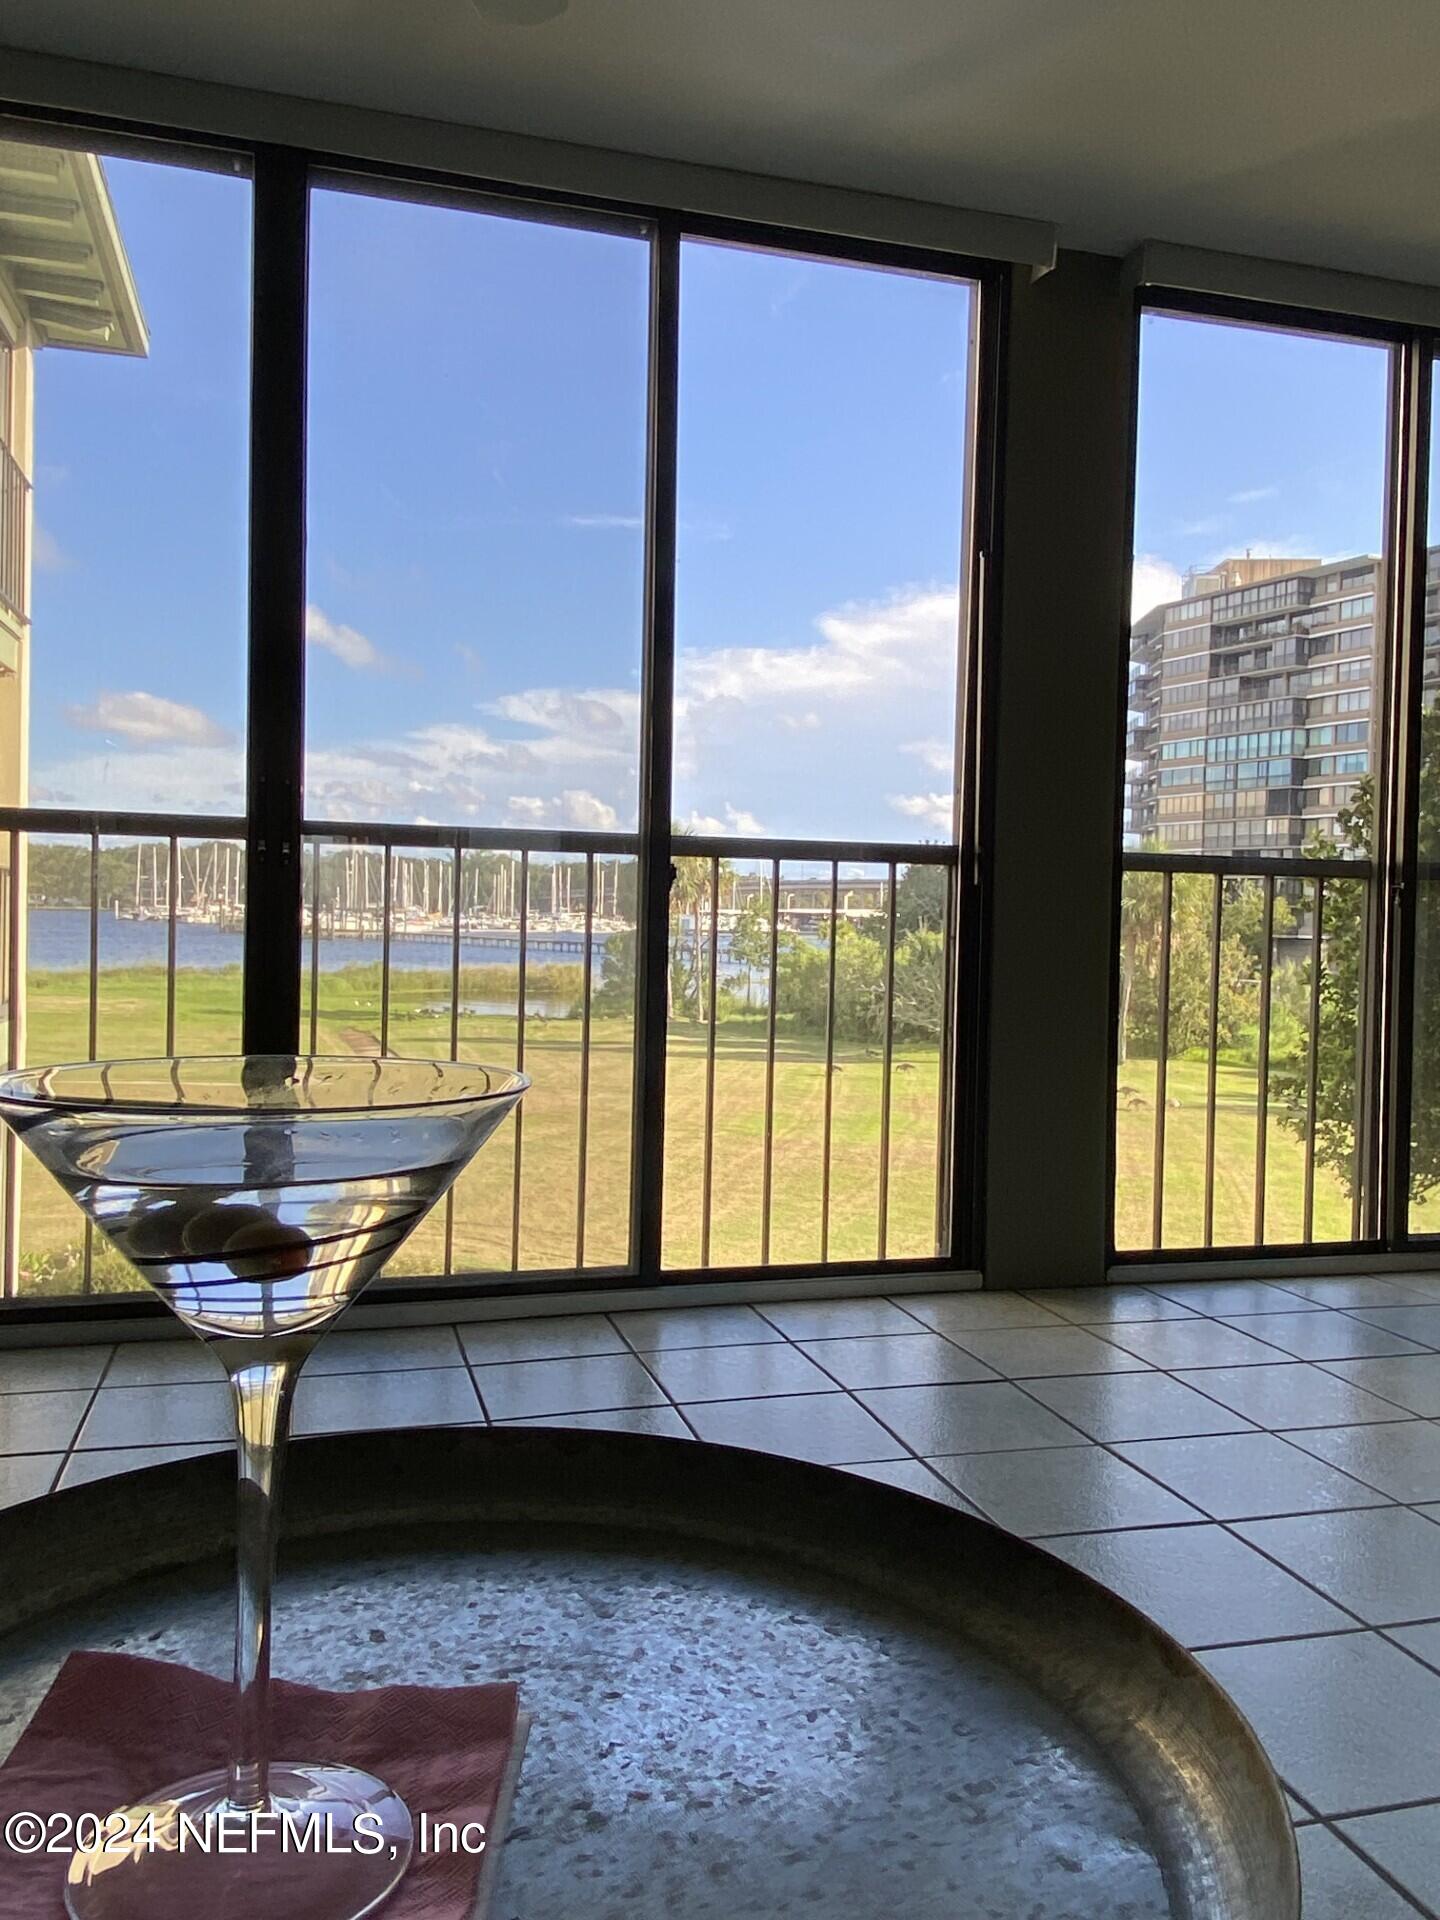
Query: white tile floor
point(1255, 1463)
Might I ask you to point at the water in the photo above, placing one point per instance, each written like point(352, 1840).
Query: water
point(59, 940)
point(259, 1226)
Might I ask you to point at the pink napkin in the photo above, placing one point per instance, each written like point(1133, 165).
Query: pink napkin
point(113, 1728)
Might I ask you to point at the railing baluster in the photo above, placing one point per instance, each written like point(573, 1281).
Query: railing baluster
point(520, 1059)
point(1213, 1057)
point(587, 980)
point(772, 997)
point(945, 1108)
point(386, 883)
point(314, 946)
point(172, 937)
point(457, 877)
point(1262, 1091)
point(1312, 1076)
point(14, 961)
point(886, 1068)
point(707, 1177)
point(826, 1148)
point(1162, 1064)
point(1360, 1126)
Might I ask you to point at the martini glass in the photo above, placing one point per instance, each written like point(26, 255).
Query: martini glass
point(257, 1196)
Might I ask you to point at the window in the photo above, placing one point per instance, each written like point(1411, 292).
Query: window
point(1246, 434)
point(124, 454)
point(489, 796)
point(474, 633)
point(821, 506)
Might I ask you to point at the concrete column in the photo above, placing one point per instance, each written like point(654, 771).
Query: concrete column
point(1057, 718)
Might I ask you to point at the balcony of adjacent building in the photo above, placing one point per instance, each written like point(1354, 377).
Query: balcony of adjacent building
point(14, 558)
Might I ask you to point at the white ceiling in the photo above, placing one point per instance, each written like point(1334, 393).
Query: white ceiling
point(1304, 129)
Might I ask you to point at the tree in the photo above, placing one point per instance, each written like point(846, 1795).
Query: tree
point(1192, 926)
point(1343, 989)
point(614, 992)
point(920, 984)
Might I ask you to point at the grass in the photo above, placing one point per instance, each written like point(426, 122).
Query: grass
point(131, 1020)
point(1236, 1119)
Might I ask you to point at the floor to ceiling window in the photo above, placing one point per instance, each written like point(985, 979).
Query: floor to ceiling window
point(474, 635)
point(821, 539)
point(633, 647)
point(1260, 778)
point(124, 447)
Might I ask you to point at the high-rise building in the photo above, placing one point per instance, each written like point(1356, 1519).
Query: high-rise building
point(1252, 704)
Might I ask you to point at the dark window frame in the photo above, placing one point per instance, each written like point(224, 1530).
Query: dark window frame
point(1380, 1222)
point(276, 825)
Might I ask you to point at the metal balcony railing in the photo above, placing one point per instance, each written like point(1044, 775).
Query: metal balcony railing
point(1240, 1112)
point(811, 987)
point(14, 516)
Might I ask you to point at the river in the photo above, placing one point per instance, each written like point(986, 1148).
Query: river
point(60, 941)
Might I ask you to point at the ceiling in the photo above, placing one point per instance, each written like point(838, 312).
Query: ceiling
point(1304, 129)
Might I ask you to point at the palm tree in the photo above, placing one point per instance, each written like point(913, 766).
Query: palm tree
point(690, 904)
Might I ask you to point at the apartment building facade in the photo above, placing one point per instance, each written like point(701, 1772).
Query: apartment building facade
point(1253, 704)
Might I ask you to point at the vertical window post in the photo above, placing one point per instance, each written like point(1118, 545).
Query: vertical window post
point(653, 933)
point(276, 702)
point(1390, 1082)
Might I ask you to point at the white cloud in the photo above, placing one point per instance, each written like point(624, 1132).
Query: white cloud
point(582, 809)
point(603, 521)
point(148, 720)
point(1152, 582)
point(935, 809)
point(599, 722)
point(1249, 495)
point(46, 551)
point(350, 647)
point(908, 640)
point(936, 755)
point(575, 807)
point(737, 821)
point(165, 780)
point(821, 717)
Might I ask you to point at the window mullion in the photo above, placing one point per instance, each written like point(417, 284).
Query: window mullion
point(276, 691)
point(656, 754)
point(1396, 824)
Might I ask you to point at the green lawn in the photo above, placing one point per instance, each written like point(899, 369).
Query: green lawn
point(131, 1020)
point(1236, 1115)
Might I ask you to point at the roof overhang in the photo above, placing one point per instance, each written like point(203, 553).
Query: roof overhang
point(63, 264)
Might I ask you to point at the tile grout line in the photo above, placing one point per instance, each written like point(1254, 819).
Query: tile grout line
point(670, 1400)
point(1330, 1823)
point(74, 1443)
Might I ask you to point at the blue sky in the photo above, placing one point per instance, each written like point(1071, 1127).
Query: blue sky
point(1254, 439)
point(477, 419)
point(477, 409)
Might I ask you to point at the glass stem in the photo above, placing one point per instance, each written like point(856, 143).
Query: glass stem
point(264, 1392)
